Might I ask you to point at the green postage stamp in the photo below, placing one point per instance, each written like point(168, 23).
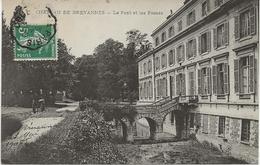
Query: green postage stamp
point(35, 42)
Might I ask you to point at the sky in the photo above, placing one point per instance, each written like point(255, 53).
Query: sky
point(84, 24)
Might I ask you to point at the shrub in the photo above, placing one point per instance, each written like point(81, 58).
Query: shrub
point(91, 137)
point(110, 111)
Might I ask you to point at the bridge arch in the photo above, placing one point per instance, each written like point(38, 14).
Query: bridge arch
point(140, 125)
point(169, 124)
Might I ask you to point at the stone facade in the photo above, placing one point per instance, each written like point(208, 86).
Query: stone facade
point(215, 58)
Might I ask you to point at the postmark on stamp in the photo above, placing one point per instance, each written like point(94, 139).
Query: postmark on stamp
point(35, 42)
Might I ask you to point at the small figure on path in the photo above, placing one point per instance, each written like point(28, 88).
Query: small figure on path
point(42, 104)
point(34, 105)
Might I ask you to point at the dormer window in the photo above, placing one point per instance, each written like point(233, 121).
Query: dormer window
point(157, 41)
point(171, 31)
point(180, 25)
point(163, 37)
point(205, 8)
point(218, 3)
point(191, 18)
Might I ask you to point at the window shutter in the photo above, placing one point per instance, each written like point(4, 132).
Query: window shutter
point(183, 53)
point(194, 16)
point(226, 79)
point(252, 21)
point(177, 84)
point(226, 33)
point(215, 40)
point(214, 77)
point(172, 86)
point(251, 74)
point(208, 5)
point(191, 83)
point(161, 87)
point(194, 47)
point(199, 81)
point(187, 50)
point(209, 80)
point(183, 92)
point(166, 87)
point(199, 45)
point(188, 20)
point(149, 89)
point(208, 41)
point(236, 75)
point(173, 56)
point(237, 28)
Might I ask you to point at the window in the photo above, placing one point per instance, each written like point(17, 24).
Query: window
point(149, 66)
point(180, 84)
point(205, 124)
point(171, 31)
point(145, 90)
point(172, 86)
point(180, 25)
point(204, 42)
point(205, 8)
point(244, 70)
point(163, 37)
point(180, 53)
point(244, 76)
point(218, 3)
point(245, 23)
point(140, 91)
point(172, 117)
point(171, 57)
point(145, 68)
point(157, 63)
point(204, 81)
point(141, 69)
point(150, 89)
point(191, 83)
point(221, 35)
point(245, 131)
point(220, 79)
point(221, 126)
point(191, 120)
point(191, 18)
point(161, 87)
point(191, 48)
point(156, 41)
point(164, 61)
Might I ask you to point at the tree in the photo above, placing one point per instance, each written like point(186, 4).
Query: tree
point(86, 75)
point(108, 56)
point(138, 41)
point(137, 45)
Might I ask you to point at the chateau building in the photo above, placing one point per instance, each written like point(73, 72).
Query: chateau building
point(209, 49)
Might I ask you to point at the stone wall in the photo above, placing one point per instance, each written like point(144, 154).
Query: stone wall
point(231, 142)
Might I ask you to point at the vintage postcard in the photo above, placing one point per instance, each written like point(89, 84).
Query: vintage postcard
point(130, 82)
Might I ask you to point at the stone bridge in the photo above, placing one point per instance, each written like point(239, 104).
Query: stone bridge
point(155, 115)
